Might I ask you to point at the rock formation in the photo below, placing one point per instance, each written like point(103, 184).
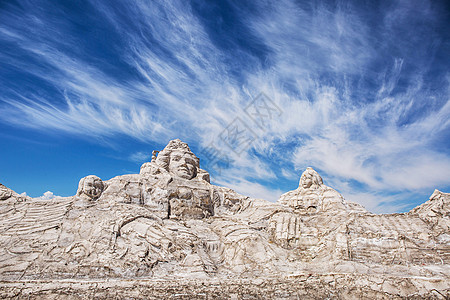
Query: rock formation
point(312, 196)
point(167, 231)
point(8, 194)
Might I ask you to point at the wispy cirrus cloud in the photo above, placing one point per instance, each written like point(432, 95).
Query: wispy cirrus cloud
point(140, 157)
point(363, 93)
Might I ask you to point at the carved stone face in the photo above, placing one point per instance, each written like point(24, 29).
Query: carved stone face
point(306, 180)
point(310, 179)
point(90, 186)
point(183, 164)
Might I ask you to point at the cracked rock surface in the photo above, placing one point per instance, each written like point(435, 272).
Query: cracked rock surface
point(167, 232)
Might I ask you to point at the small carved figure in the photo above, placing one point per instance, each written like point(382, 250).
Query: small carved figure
point(312, 196)
point(90, 187)
point(154, 154)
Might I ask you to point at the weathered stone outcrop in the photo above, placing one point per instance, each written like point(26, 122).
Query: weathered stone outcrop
point(168, 231)
point(10, 195)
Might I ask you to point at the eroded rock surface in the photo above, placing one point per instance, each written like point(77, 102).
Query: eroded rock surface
point(10, 195)
point(167, 230)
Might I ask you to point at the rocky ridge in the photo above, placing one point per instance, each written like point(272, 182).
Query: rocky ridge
point(167, 231)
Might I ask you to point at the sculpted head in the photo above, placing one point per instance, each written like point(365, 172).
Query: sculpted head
point(310, 179)
point(178, 159)
point(90, 187)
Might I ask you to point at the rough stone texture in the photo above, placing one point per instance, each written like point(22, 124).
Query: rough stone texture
point(8, 194)
point(167, 232)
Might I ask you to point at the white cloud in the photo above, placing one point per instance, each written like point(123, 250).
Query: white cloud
point(289, 174)
point(251, 189)
point(140, 157)
point(47, 196)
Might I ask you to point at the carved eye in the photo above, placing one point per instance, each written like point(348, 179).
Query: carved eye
point(190, 161)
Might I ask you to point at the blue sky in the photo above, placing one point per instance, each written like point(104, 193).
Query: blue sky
point(358, 90)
